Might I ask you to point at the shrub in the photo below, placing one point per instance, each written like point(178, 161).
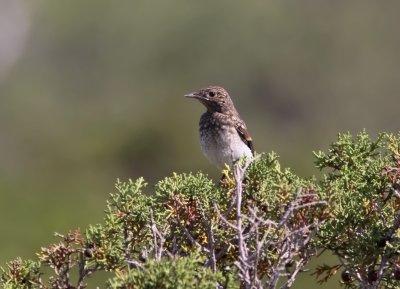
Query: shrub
point(256, 228)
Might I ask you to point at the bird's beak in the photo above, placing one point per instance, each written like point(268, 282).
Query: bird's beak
point(192, 95)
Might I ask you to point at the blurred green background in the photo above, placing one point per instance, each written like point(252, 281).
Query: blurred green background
point(93, 90)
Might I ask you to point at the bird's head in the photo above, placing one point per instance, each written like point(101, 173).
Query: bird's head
point(215, 99)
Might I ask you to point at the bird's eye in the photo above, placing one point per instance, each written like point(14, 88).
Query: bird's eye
point(211, 93)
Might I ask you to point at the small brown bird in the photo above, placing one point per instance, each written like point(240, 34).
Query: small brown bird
point(224, 137)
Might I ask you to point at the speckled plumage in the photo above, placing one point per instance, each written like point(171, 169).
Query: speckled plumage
point(224, 137)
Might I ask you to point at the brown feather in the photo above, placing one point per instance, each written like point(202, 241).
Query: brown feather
point(245, 135)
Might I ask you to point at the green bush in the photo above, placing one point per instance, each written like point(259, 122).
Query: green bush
point(257, 227)
point(362, 183)
point(181, 273)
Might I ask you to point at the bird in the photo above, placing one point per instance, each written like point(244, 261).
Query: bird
point(224, 137)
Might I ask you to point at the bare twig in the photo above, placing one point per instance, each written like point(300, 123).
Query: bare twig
point(158, 239)
point(243, 251)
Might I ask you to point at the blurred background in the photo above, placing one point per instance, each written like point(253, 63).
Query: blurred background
point(91, 91)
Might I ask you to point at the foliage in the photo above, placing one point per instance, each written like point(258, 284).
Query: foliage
point(257, 228)
point(21, 274)
point(185, 272)
point(362, 183)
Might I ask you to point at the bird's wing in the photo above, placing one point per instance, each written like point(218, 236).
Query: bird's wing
point(244, 134)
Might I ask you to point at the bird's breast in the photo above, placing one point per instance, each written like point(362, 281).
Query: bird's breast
point(221, 144)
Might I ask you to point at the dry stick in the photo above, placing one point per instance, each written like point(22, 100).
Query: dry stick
point(127, 242)
point(261, 220)
point(193, 241)
point(243, 251)
point(257, 221)
point(290, 210)
point(292, 278)
point(81, 268)
point(243, 265)
point(213, 260)
point(83, 272)
point(259, 245)
point(299, 264)
point(67, 280)
point(158, 246)
point(293, 242)
point(380, 272)
point(277, 270)
point(309, 205)
point(238, 176)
